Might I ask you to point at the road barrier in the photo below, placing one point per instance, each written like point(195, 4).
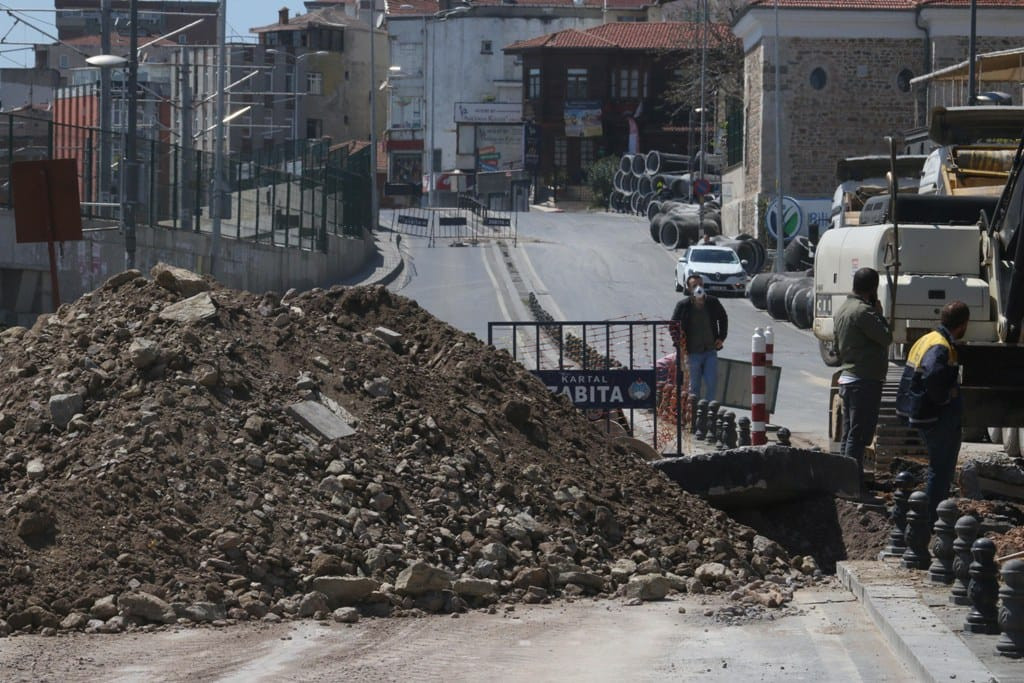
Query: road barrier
point(758, 412)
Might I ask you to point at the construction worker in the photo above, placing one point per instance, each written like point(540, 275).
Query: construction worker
point(862, 338)
point(929, 398)
point(702, 318)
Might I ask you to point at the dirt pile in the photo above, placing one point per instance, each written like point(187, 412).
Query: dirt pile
point(183, 451)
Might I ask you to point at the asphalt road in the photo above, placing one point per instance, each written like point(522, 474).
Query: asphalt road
point(600, 266)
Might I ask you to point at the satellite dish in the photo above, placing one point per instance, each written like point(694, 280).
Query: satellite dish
point(380, 20)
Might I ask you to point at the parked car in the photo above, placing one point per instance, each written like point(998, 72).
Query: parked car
point(719, 267)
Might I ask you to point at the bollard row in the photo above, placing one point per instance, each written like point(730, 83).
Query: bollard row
point(958, 557)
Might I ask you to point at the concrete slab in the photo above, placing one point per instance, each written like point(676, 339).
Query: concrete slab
point(926, 644)
point(320, 419)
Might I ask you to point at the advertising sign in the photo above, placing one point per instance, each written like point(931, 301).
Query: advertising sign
point(488, 112)
point(499, 147)
point(797, 215)
point(583, 119)
point(602, 388)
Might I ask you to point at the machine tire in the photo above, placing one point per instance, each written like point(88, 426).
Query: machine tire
point(669, 234)
point(828, 354)
point(757, 290)
point(803, 309)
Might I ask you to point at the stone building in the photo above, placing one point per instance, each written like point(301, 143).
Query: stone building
point(844, 84)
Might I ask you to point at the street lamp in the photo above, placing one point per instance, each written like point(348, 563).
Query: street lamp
point(375, 23)
point(295, 87)
point(443, 15)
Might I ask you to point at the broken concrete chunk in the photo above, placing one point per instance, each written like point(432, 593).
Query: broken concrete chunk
point(178, 280)
point(320, 419)
point(192, 309)
point(143, 353)
point(392, 338)
point(63, 407)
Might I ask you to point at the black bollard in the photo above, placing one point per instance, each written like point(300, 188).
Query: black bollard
point(943, 535)
point(903, 484)
point(783, 436)
point(730, 430)
point(712, 421)
point(720, 430)
point(966, 532)
point(1011, 612)
point(693, 413)
point(916, 555)
point(744, 428)
point(702, 416)
point(983, 589)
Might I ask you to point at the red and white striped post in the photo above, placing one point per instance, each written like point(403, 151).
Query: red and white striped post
point(769, 346)
point(758, 408)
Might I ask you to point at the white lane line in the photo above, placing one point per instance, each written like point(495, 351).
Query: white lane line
point(540, 286)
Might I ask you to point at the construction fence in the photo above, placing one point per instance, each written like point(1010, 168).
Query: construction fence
point(292, 194)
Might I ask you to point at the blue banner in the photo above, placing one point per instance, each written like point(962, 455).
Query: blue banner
point(602, 388)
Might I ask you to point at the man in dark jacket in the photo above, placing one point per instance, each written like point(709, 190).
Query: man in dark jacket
point(929, 397)
point(702, 318)
point(862, 338)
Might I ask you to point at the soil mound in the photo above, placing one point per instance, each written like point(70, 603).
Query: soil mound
point(175, 450)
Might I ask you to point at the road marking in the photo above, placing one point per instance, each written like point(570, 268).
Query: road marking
point(540, 286)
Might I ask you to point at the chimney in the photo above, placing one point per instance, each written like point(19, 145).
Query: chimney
point(282, 15)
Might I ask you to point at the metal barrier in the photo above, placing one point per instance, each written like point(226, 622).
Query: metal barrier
point(620, 372)
point(289, 195)
point(468, 222)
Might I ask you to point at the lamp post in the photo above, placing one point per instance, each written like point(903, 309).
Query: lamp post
point(780, 227)
point(295, 88)
point(375, 23)
point(131, 180)
point(443, 15)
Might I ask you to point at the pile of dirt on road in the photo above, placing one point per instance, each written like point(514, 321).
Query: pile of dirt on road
point(179, 451)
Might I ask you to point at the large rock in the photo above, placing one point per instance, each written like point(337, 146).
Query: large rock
point(104, 608)
point(178, 280)
point(711, 573)
point(311, 603)
point(475, 588)
point(582, 578)
point(143, 353)
point(203, 612)
point(343, 591)
point(147, 606)
point(192, 309)
point(757, 475)
point(648, 587)
point(63, 407)
point(419, 578)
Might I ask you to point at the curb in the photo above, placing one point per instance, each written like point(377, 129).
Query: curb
point(929, 649)
point(389, 277)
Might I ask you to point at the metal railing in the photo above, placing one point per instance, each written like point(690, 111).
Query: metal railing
point(285, 194)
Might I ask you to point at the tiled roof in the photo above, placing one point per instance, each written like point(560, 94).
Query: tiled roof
point(116, 41)
point(628, 35)
point(426, 7)
point(880, 4)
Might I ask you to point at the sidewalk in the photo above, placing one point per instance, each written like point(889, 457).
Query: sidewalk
point(922, 627)
point(385, 266)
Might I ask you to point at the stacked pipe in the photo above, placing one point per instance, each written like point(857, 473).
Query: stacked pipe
point(644, 178)
point(786, 296)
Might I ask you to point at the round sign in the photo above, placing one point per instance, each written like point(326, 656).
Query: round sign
point(792, 218)
point(701, 186)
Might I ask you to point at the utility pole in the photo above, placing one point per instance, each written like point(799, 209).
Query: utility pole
point(374, 210)
point(780, 227)
point(128, 168)
point(218, 137)
point(972, 55)
point(186, 159)
point(105, 123)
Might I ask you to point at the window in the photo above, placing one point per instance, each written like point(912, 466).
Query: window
point(587, 152)
point(268, 125)
point(818, 78)
point(903, 80)
point(314, 128)
point(485, 47)
point(626, 83)
point(533, 84)
point(182, 39)
point(560, 152)
point(315, 83)
point(64, 61)
point(288, 81)
point(576, 84)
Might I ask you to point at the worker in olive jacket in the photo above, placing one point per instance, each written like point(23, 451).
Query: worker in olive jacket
point(862, 338)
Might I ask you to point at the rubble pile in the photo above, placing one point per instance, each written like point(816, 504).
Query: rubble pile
point(178, 452)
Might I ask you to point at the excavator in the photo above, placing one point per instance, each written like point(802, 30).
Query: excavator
point(964, 242)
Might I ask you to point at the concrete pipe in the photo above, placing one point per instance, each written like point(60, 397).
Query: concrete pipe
point(797, 254)
point(639, 165)
point(645, 185)
point(803, 309)
point(663, 162)
point(1011, 441)
point(676, 235)
point(777, 299)
point(653, 209)
point(995, 435)
point(796, 295)
point(626, 163)
point(617, 180)
point(656, 223)
point(633, 183)
point(634, 202)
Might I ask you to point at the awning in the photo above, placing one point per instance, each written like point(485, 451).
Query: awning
point(996, 67)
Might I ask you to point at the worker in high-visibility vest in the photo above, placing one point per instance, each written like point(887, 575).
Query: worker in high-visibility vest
point(929, 397)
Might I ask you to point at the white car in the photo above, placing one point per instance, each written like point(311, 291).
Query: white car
point(719, 267)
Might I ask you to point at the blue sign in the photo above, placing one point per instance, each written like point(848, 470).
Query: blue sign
point(792, 218)
point(701, 186)
point(602, 388)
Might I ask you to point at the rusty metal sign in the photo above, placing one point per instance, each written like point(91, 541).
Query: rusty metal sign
point(45, 198)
